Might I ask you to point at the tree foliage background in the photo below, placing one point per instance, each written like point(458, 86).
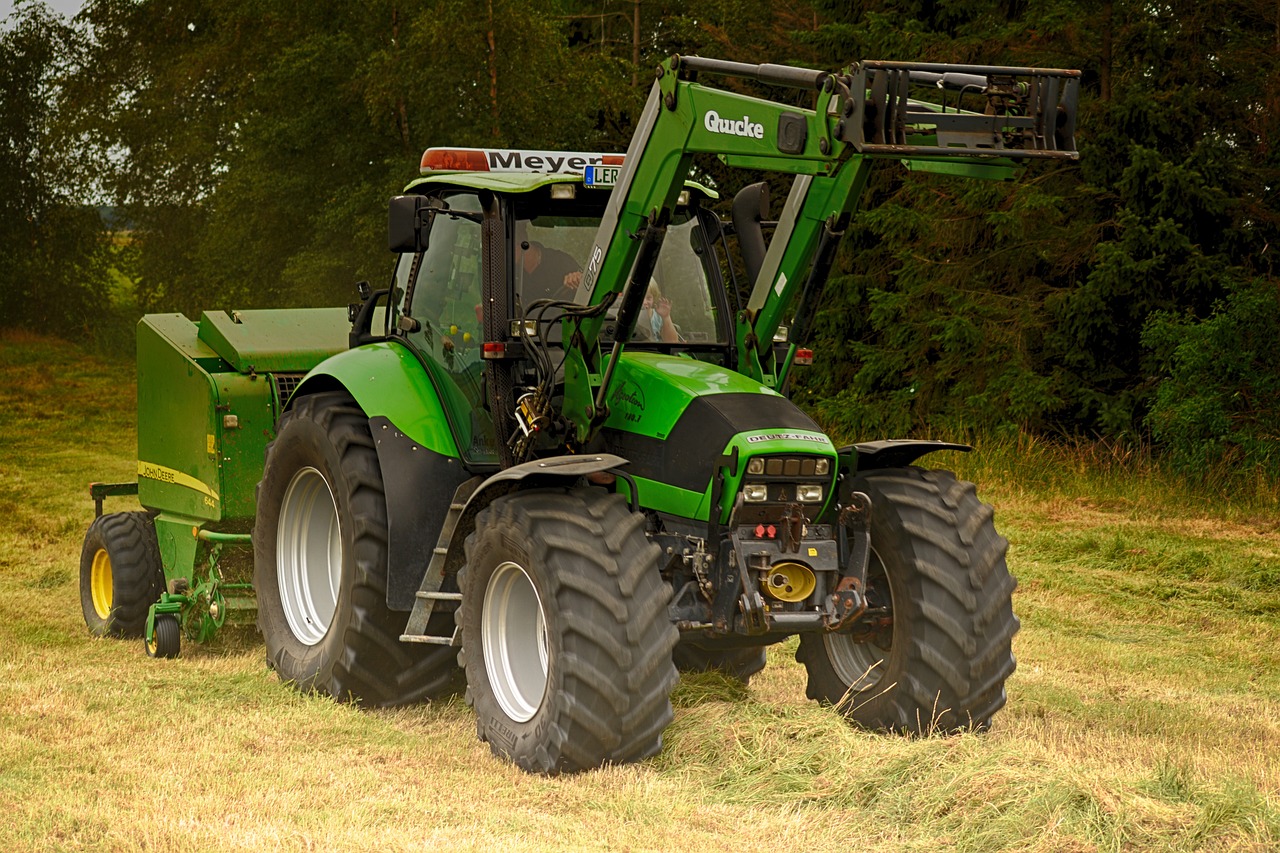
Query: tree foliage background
point(249, 147)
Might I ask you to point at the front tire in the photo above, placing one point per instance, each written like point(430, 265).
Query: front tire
point(120, 574)
point(565, 635)
point(940, 660)
point(320, 565)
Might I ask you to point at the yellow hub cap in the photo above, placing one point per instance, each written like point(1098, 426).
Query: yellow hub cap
point(100, 583)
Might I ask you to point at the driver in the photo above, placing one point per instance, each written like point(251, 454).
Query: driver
point(545, 273)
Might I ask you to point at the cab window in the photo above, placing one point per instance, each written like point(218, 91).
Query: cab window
point(445, 301)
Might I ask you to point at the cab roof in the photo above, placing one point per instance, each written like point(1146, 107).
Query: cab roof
point(518, 170)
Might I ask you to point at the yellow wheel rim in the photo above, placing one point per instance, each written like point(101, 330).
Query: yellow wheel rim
point(100, 583)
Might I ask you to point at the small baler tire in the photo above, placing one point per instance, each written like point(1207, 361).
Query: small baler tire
point(166, 637)
point(121, 575)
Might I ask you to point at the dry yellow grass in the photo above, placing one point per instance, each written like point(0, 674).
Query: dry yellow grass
point(1144, 715)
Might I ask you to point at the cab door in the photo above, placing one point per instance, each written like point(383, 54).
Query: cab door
point(444, 299)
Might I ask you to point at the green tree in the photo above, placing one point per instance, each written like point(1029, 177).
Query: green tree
point(53, 273)
point(1025, 304)
point(937, 314)
point(255, 143)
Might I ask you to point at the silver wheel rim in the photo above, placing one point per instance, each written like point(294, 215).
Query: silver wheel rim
point(513, 633)
point(309, 556)
point(859, 665)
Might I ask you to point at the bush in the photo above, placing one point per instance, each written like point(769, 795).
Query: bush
point(1219, 403)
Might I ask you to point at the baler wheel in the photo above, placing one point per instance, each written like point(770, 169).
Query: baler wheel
point(167, 640)
point(120, 574)
point(939, 659)
point(565, 635)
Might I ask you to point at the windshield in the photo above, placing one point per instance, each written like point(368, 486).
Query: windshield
point(550, 255)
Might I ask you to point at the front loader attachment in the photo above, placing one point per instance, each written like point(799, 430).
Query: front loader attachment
point(1024, 112)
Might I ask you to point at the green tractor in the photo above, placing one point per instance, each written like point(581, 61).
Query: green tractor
point(554, 455)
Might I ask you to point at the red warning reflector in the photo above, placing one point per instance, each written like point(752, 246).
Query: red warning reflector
point(514, 160)
point(804, 356)
point(454, 160)
point(493, 349)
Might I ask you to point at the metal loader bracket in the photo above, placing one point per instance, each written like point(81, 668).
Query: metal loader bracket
point(849, 601)
point(1028, 112)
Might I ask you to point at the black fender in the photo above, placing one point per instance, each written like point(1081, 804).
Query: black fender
point(889, 453)
point(894, 452)
point(475, 494)
point(552, 468)
point(419, 484)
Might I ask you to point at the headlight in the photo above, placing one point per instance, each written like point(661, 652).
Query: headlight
point(755, 493)
point(810, 494)
point(790, 466)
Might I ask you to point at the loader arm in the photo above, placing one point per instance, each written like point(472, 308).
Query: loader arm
point(860, 115)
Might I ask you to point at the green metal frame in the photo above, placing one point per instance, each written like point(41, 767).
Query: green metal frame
point(205, 601)
point(682, 118)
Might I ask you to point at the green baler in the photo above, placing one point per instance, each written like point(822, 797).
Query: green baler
point(209, 395)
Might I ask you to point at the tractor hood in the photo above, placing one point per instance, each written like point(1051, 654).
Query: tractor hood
point(673, 417)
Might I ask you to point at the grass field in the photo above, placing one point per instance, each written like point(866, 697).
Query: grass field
point(1144, 715)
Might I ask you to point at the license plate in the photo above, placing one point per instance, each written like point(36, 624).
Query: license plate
point(600, 176)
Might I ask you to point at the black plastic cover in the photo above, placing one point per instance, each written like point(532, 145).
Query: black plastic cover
point(687, 456)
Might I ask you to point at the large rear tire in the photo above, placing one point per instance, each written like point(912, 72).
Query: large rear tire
point(320, 565)
point(940, 661)
point(120, 574)
point(565, 635)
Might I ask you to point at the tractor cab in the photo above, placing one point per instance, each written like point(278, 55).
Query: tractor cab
point(492, 247)
point(549, 206)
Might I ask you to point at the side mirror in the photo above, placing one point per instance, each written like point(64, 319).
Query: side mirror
point(409, 221)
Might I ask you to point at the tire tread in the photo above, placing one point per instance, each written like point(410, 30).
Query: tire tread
point(371, 666)
point(951, 673)
point(137, 575)
point(611, 701)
